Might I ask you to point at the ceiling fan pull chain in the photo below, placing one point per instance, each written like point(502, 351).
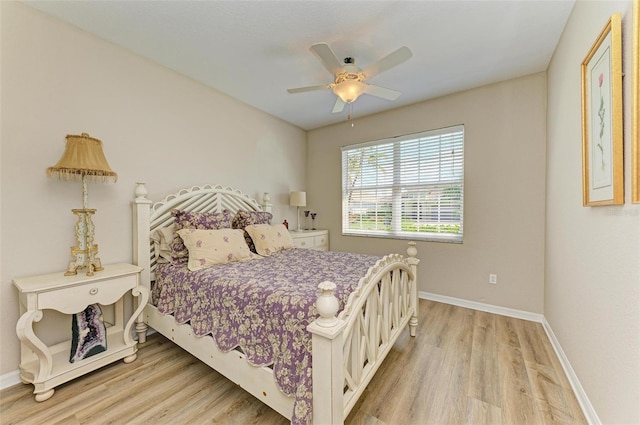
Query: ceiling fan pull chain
point(349, 114)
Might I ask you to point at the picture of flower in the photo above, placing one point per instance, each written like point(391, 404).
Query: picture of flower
point(602, 147)
point(601, 112)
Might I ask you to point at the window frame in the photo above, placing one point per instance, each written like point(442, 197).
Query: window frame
point(424, 191)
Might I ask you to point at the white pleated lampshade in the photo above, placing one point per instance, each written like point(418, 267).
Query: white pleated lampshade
point(298, 199)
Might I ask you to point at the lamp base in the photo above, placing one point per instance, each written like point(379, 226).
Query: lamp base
point(86, 251)
point(79, 263)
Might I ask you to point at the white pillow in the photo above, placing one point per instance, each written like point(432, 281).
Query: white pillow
point(210, 247)
point(269, 239)
point(162, 239)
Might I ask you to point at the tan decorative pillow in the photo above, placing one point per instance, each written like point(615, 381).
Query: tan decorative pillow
point(162, 239)
point(210, 247)
point(195, 220)
point(269, 239)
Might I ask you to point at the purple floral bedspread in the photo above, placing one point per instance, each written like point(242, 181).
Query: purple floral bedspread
point(263, 306)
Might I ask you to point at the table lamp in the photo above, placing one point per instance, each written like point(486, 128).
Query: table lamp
point(298, 199)
point(84, 160)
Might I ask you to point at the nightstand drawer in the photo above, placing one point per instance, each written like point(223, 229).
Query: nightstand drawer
point(306, 242)
point(321, 241)
point(311, 239)
point(75, 298)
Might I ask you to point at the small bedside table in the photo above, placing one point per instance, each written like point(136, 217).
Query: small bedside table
point(47, 367)
point(311, 239)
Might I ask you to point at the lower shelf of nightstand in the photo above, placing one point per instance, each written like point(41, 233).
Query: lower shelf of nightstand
point(63, 370)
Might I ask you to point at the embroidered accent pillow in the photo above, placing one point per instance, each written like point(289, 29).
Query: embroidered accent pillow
point(88, 333)
point(269, 239)
point(195, 220)
point(243, 219)
point(210, 247)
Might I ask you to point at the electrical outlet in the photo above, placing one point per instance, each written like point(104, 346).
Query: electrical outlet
point(493, 279)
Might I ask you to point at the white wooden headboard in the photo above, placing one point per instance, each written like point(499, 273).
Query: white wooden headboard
point(148, 217)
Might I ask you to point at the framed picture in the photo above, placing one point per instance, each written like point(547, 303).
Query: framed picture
point(602, 146)
point(635, 106)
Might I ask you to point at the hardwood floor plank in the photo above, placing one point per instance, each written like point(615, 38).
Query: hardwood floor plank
point(506, 332)
point(67, 401)
point(550, 395)
point(531, 336)
point(484, 377)
point(458, 364)
point(518, 404)
point(481, 413)
point(120, 405)
point(464, 366)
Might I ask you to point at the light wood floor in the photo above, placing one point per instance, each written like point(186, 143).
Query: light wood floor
point(464, 367)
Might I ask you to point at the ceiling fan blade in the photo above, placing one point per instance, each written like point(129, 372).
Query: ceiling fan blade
point(327, 57)
point(392, 59)
point(309, 88)
point(339, 106)
point(381, 92)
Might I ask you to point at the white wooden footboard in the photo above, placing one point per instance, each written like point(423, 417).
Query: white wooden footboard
point(349, 349)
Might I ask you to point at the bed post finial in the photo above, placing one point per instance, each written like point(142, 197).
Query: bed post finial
point(412, 251)
point(141, 191)
point(327, 305)
point(266, 202)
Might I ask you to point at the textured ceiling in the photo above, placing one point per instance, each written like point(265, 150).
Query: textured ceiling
point(255, 50)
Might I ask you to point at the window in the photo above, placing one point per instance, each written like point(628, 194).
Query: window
point(408, 187)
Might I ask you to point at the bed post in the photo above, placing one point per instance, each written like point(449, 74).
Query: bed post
point(412, 252)
point(141, 244)
point(266, 202)
point(327, 362)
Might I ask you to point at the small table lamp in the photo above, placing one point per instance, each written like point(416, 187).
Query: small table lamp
point(83, 160)
point(298, 199)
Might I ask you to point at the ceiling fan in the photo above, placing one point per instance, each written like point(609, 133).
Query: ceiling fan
point(349, 80)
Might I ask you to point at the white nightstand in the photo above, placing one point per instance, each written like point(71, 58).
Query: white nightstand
point(311, 239)
point(48, 366)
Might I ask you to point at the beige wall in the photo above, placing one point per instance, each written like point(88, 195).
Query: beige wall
point(592, 275)
point(156, 125)
point(503, 199)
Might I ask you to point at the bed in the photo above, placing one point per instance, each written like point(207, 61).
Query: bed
point(344, 325)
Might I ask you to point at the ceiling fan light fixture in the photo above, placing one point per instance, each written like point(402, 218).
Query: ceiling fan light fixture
point(349, 90)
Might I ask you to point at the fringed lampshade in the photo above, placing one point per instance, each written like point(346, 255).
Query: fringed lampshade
point(83, 160)
point(83, 157)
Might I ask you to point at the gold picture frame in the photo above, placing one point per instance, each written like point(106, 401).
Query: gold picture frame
point(635, 105)
point(602, 133)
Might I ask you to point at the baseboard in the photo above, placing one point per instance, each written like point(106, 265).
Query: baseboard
point(10, 379)
point(503, 311)
point(587, 408)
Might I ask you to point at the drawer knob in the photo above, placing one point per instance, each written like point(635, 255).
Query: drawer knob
point(303, 243)
point(93, 291)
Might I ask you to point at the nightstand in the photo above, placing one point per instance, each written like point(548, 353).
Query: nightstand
point(311, 239)
point(48, 366)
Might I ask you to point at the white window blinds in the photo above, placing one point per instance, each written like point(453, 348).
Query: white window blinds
point(407, 187)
